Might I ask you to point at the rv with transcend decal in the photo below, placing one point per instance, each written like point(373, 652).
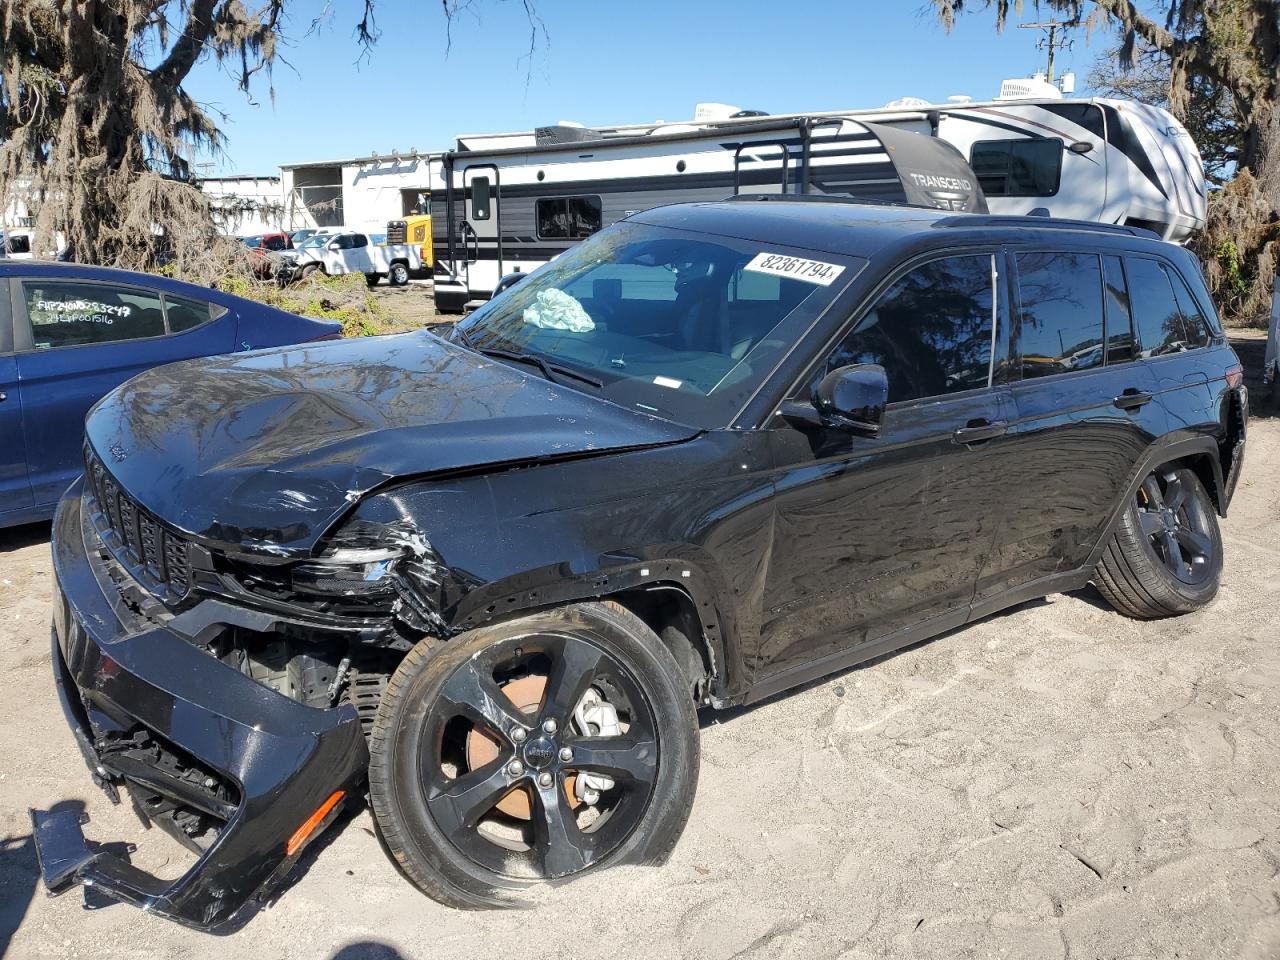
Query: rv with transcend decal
point(510, 202)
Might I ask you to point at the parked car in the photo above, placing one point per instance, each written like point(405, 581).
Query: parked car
point(713, 452)
point(355, 252)
point(268, 247)
point(70, 333)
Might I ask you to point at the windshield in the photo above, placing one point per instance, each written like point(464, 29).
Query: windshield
point(685, 325)
point(253, 243)
point(315, 240)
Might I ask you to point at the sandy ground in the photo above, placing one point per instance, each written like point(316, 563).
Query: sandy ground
point(1055, 781)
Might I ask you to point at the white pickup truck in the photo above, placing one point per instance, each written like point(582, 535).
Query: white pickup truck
point(351, 252)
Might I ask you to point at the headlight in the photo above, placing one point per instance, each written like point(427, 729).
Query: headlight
point(349, 572)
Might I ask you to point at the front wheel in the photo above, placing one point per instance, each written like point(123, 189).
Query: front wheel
point(372, 279)
point(1165, 558)
point(533, 750)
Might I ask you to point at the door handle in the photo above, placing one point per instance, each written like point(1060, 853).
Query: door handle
point(979, 431)
point(1132, 399)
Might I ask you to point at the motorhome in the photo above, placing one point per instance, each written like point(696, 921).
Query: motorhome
point(511, 202)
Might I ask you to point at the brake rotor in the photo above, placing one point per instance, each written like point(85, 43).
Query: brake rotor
point(525, 695)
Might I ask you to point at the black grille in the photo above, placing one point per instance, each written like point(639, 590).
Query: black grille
point(140, 540)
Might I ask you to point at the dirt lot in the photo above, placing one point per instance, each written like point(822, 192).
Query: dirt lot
point(1055, 781)
point(410, 307)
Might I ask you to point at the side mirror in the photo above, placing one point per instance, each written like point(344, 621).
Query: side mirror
point(333, 245)
point(853, 398)
point(507, 282)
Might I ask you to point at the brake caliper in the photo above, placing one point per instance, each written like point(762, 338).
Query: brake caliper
point(594, 716)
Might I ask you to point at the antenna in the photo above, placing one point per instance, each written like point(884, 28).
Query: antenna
point(1051, 42)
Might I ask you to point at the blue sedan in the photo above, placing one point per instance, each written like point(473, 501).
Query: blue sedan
point(71, 333)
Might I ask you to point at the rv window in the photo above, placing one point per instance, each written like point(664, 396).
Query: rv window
point(480, 198)
point(1061, 304)
point(1018, 168)
point(568, 218)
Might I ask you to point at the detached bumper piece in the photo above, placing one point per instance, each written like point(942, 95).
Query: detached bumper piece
point(239, 774)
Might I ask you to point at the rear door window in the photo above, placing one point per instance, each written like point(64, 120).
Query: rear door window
point(932, 331)
point(68, 314)
point(1061, 328)
point(1157, 315)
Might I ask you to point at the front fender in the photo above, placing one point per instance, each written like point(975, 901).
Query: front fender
point(697, 515)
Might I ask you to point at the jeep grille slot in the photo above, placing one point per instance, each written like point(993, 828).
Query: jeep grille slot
point(138, 539)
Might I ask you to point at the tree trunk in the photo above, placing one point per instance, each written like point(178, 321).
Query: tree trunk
point(1261, 153)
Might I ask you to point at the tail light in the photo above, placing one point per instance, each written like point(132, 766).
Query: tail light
point(1235, 375)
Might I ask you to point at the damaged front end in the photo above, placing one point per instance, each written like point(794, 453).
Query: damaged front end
point(226, 696)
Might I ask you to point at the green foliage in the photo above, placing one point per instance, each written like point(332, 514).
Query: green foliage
point(1237, 249)
point(346, 299)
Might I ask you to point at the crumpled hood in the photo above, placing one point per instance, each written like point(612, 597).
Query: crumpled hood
point(264, 451)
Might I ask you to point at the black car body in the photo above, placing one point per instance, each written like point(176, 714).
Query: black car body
point(213, 658)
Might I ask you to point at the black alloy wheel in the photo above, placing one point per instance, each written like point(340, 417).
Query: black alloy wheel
point(1165, 556)
point(544, 831)
point(1178, 529)
point(533, 750)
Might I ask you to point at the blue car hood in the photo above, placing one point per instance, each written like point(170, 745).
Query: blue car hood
point(264, 451)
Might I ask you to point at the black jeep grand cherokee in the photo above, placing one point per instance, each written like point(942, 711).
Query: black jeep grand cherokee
point(711, 453)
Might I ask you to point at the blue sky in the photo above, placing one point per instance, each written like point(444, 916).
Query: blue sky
point(600, 63)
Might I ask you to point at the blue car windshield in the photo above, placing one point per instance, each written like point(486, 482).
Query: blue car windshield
point(681, 324)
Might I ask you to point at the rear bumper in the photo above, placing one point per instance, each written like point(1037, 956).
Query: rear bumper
point(152, 711)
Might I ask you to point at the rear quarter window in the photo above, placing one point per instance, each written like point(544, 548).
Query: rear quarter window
point(1161, 325)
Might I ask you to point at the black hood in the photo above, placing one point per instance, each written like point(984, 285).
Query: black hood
point(263, 451)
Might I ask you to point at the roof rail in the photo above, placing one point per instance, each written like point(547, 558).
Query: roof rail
point(1045, 223)
point(825, 198)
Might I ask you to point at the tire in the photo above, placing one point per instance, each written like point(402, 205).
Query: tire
point(372, 279)
point(309, 271)
point(428, 713)
point(1165, 558)
point(399, 275)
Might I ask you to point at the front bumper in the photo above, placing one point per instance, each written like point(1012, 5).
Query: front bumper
point(123, 682)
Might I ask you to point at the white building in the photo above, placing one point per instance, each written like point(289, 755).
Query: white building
point(362, 193)
point(244, 206)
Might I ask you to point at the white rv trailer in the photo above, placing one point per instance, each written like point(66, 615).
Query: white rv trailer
point(511, 202)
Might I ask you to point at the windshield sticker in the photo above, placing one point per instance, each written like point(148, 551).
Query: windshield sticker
point(798, 268)
point(556, 310)
point(668, 382)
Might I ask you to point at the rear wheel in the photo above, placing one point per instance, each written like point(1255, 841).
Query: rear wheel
point(531, 751)
point(399, 274)
point(1165, 558)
